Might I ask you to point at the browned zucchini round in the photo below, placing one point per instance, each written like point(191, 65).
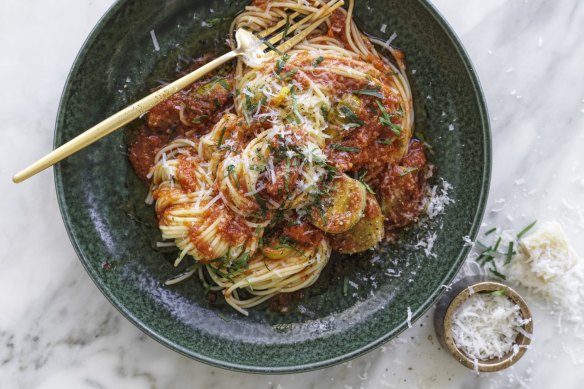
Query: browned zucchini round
point(366, 233)
point(342, 207)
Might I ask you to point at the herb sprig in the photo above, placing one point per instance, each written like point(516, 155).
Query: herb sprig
point(370, 92)
point(352, 116)
point(490, 253)
point(385, 119)
point(318, 61)
point(347, 149)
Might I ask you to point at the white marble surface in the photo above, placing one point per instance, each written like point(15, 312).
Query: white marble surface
point(58, 331)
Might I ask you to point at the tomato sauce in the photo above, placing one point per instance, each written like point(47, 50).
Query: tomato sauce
point(186, 173)
point(189, 113)
point(304, 233)
point(233, 228)
point(402, 188)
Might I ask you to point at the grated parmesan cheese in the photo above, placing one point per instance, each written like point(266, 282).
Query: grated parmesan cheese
point(154, 40)
point(438, 199)
point(548, 251)
point(550, 270)
point(485, 326)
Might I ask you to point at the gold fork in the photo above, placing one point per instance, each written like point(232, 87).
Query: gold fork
point(252, 49)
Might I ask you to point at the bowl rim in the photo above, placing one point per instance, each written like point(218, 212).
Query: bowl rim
point(296, 368)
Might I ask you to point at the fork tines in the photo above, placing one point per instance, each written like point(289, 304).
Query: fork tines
point(283, 31)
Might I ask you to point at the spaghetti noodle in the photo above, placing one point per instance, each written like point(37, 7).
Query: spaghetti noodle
point(290, 171)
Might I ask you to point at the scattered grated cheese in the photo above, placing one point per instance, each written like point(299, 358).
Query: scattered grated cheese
point(438, 199)
point(409, 319)
point(391, 39)
point(383, 27)
point(485, 326)
point(154, 40)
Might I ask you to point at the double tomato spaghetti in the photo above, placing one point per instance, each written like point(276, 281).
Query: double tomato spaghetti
point(259, 173)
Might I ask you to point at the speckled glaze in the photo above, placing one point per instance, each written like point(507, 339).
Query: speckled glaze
point(112, 230)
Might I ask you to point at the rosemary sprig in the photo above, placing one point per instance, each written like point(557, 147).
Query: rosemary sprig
point(385, 119)
point(349, 114)
point(220, 141)
point(406, 171)
point(370, 92)
point(525, 230)
point(347, 149)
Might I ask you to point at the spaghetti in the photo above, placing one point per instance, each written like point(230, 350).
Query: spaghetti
point(296, 167)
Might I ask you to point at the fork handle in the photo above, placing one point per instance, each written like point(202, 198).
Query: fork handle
point(120, 119)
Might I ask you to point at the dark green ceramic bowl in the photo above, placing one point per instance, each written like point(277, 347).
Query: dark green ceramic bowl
point(358, 303)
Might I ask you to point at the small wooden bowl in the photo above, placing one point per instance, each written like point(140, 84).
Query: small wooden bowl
point(454, 298)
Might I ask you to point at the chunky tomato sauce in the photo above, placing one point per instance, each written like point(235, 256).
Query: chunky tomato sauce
point(402, 187)
point(189, 113)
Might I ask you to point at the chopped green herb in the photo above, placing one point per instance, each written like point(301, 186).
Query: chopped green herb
point(220, 141)
point(318, 61)
point(295, 103)
point(221, 274)
point(498, 292)
point(406, 171)
point(324, 109)
point(345, 286)
point(240, 262)
point(496, 273)
point(287, 174)
point(385, 141)
point(484, 258)
point(212, 22)
point(219, 260)
point(223, 83)
point(281, 62)
point(482, 245)
point(231, 171)
point(370, 92)
point(385, 119)
point(248, 107)
point(288, 75)
point(349, 114)
point(222, 316)
point(271, 46)
point(260, 155)
point(491, 231)
point(525, 230)
point(345, 148)
point(286, 27)
point(361, 177)
point(198, 119)
point(497, 244)
point(509, 254)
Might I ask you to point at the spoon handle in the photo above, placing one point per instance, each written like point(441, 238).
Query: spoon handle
point(120, 119)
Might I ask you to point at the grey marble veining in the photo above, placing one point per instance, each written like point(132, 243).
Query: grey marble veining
point(58, 331)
